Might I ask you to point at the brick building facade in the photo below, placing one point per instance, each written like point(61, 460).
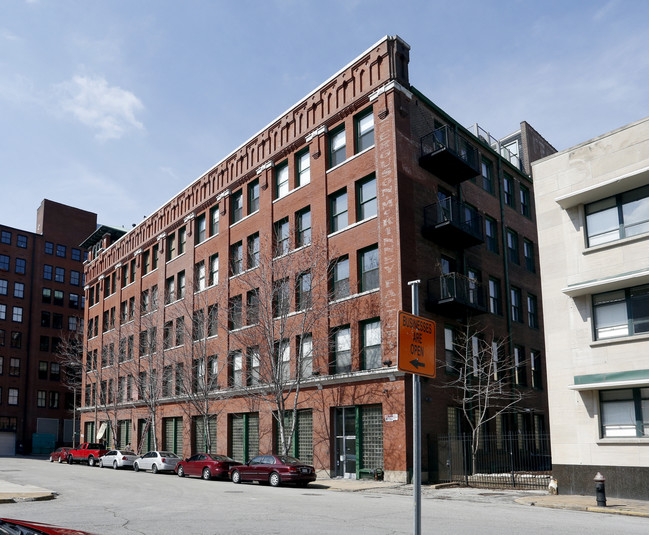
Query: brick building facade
point(41, 302)
point(368, 173)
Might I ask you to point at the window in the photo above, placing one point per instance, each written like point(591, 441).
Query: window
point(618, 217)
point(181, 285)
point(4, 263)
point(19, 290)
point(180, 331)
point(338, 210)
point(58, 298)
point(281, 298)
point(236, 258)
point(508, 189)
point(487, 176)
point(236, 369)
point(237, 206)
point(198, 325)
point(282, 245)
point(60, 250)
point(200, 229)
point(16, 339)
point(41, 397)
point(59, 274)
point(537, 369)
point(303, 222)
point(5, 237)
point(21, 267)
point(364, 130)
point(214, 220)
point(55, 371)
point(303, 165)
point(154, 257)
point(342, 358)
point(75, 278)
point(625, 412)
point(47, 295)
point(74, 301)
point(532, 311)
point(306, 355)
point(371, 344)
point(491, 232)
point(235, 312)
point(21, 241)
point(72, 323)
point(170, 290)
point(494, 296)
point(340, 278)
point(281, 180)
point(528, 253)
point(525, 198)
point(253, 250)
point(366, 197)
point(212, 320)
point(252, 355)
point(253, 196)
point(12, 398)
point(515, 296)
point(182, 240)
point(145, 303)
point(520, 370)
point(369, 268)
point(49, 247)
point(14, 367)
point(303, 297)
point(4, 287)
point(57, 321)
point(167, 335)
point(3, 312)
point(17, 315)
point(199, 275)
point(337, 153)
point(512, 246)
point(283, 360)
point(171, 247)
point(75, 254)
point(621, 312)
point(214, 269)
point(451, 357)
point(252, 307)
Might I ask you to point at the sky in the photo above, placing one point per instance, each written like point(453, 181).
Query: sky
point(114, 106)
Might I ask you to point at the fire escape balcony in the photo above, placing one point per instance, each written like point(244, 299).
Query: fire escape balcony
point(456, 295)
point(452, 223)
point(449, 155)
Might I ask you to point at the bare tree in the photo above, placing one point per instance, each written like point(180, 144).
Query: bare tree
point(482, 376)
point(277, 343)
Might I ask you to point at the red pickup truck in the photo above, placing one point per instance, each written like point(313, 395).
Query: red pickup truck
point(88, 452)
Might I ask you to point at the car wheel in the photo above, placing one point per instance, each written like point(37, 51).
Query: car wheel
point(207, 475)
point(236, 477)
point(154, 468)
point(91, 461)
point(69, 459)
point(101, 463)
point(181, 471)
point(136, 467)
point(274, 479)
point(51, 459)
point(60, 459)
point(115, 465)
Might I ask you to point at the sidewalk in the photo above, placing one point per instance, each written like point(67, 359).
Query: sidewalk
point(12, 492)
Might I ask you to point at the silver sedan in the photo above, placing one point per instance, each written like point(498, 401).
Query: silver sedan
point(157, 461)
point(117, 459)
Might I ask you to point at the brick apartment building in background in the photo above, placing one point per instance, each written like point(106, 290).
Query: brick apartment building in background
point(41, 301)
point(370, 173)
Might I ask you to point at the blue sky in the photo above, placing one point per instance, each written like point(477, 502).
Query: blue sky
point(114, 106)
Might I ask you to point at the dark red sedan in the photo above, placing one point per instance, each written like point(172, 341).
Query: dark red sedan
point(274, 469)
point(60, 455)
point(9, 525)
point(206, 465)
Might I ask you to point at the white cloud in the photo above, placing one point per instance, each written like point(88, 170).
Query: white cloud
point(108, 109)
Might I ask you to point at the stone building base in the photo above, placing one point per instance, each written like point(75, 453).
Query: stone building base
point(631, 482)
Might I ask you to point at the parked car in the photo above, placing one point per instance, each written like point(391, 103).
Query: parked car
point(206, 465)
point(10, 525)
point(118, 459)
point(59, 455)
point(156, 461)
point(274, 469)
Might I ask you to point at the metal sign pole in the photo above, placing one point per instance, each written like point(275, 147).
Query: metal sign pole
point(416, 425)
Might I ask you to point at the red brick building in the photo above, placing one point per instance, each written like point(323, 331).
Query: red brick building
point(398, 191)
point(41, 301)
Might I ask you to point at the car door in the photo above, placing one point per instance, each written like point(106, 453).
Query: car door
point(148, 460)
point(194, 465)
point(109, 458)
point(267, 466)
point(252, 471)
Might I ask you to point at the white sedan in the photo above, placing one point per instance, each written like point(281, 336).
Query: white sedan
point(117, 459)
point(157, 461)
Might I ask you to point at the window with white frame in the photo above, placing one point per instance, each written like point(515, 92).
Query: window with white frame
point(624, 412)
point(306, 355)
point(342, 357)
point(337, 147)
point(364, 130)
point(371, 344)
point(281, 180)
point(622, 312)
point(303, 163)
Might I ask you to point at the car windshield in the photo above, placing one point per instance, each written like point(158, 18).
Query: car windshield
point(95, 446)
point(220, 457)
point(289, 460)
point(168, 454)
point(128, 453)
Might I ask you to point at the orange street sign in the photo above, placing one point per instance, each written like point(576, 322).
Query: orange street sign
point(416, 345)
